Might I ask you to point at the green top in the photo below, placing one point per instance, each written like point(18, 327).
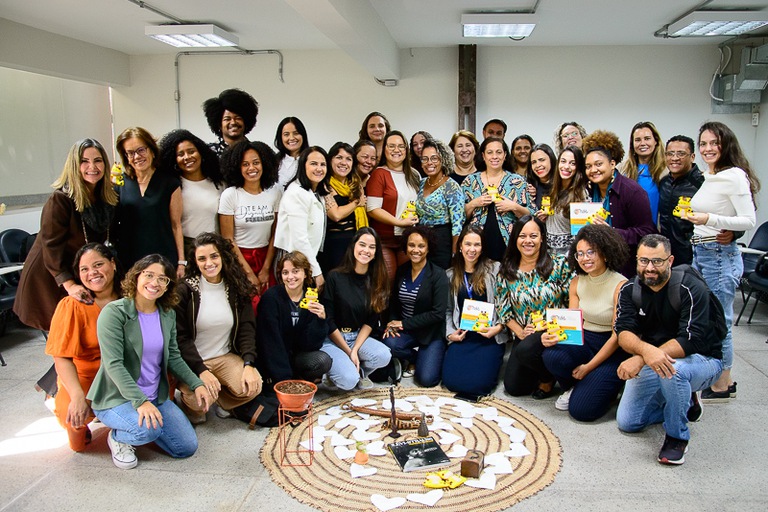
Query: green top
point(121, 347)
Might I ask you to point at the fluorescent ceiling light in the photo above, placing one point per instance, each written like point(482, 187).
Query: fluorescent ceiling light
point(498, 25)
point(192, 36)
point(717, 23)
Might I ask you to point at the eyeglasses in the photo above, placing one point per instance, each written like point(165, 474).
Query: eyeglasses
point(434, 159)
point(569, 134)
point(160, 279)
point(656, 262)
point(580, 255)
point(676, 154)
point(140, 152)
point(392, 147)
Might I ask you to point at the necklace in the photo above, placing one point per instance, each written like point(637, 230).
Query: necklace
point(488, 179)
point(435, 185)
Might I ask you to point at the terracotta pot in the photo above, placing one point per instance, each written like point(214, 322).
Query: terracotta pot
point(295, 402)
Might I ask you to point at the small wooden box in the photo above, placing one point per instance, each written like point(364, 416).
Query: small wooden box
point(472, 464)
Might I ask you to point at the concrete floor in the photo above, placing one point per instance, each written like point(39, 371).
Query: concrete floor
point(603, 469)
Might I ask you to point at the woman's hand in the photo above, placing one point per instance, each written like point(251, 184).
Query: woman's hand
point(211, 383)
point(481, 201)
point(203, 398)
point(597, 220)
point(580, 371)
point(150, 415)
point(355, 358)
point(78, 292)
point(542, 215)
point(78, 412)
point(317, 308)
point(457, 336)
point(254, 281)
point(527, 331)
point(393, 329)
point(505, 205)
point(180, 270)
point(549, 340)
point(263, 278)
point(411, 220)
point(319, 282)
point(490, 332)
point(251, 381)
point(361, 200)
point(696, 218)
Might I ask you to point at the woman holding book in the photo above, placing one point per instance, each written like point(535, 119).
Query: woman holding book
point(472, 277)
point(587, 372)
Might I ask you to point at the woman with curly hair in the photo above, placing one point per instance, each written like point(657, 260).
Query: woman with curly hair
point(646, 163)
point(290, 140)
point(587, 373)
point(375, 127)
point(391, 187)
point(440, 202)
point(197, 167)
point(79, 211)
point(344, 205)
point(289, 334)
point(354, 297)
point(73, 343)
point(466, 151)
point(530, 281)
point(495, 212)
point(137, 338)
point(473, 358)
point(726, 200)
point(569, 185)
point(150, 205)
point(627, 204)
point(215, 327)
point(569, 133)
point(248, 209)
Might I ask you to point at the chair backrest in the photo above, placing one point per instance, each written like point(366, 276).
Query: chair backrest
point(760, 238)
point(11, 242)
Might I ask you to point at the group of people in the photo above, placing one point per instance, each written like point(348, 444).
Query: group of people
point(247, 266)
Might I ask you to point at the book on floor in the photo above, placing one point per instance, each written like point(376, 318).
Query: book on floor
point(418, 454)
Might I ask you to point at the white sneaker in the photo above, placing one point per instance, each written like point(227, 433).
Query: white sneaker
point(561, 404)
point(123, 454)
point(365, 383)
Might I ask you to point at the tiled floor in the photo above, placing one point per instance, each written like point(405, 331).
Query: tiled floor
point(603, 469)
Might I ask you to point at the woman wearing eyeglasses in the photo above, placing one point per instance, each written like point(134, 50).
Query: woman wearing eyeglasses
point(440, 202)
point(390, 188)
point(569, 133)
point(150, 205)
point(587, 373)
point(137, 339)
point(724, 201)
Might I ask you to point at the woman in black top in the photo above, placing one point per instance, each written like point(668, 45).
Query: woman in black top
point(289, 335)
point(354, 295)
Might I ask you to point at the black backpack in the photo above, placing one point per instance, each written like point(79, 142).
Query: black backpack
point(716, 312)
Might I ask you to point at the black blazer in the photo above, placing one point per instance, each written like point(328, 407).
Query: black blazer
point(428, 321)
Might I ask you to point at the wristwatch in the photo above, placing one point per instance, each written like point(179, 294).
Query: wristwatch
point(183, 262)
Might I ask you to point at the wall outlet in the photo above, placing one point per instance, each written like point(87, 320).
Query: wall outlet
point(755, 119)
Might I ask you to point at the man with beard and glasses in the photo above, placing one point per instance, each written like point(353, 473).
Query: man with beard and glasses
point(671, 335)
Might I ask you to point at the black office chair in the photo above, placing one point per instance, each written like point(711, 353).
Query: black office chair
point(758, 286)
point(759, 243)
point(7, 297)
point(13, 249)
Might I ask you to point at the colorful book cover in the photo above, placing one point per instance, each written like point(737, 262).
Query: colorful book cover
point(579, 214)
point(571, 324)
point(476, 315)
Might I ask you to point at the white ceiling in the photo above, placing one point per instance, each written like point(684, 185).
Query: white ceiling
point(276, 24)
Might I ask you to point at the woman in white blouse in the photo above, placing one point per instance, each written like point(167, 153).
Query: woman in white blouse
point(724, 202)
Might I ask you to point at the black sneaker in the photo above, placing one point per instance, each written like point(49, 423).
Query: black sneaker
point(696, 410)
point(719, 396)
point(673, 451)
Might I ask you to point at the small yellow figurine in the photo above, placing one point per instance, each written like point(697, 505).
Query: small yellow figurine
point(494, 193)
point(546, 205)
point(554, 328)
point(482, 323)
point(683, 206)
point(116, 175)
point(602, 213)
point(309, 296)
point(537, 320)
point(410, 210)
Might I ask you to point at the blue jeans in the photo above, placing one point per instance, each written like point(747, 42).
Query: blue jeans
point(649, 399)
point(176, 437)
point(373, 355)
point(428, 358)
point(721, 266)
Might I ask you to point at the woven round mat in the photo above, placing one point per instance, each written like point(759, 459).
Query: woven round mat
point(328, 485)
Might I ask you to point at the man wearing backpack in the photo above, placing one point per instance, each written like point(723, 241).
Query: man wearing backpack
point(671, 324)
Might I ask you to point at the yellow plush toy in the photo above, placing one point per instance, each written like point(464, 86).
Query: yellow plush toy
point(410, 210)
point(309, 296)
point(537, 320)
point(482, 323)
point(494, 193)
point(116, 175)
point(683, 205)
point(602, 213)
point(554, 328)
point(546, 205)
